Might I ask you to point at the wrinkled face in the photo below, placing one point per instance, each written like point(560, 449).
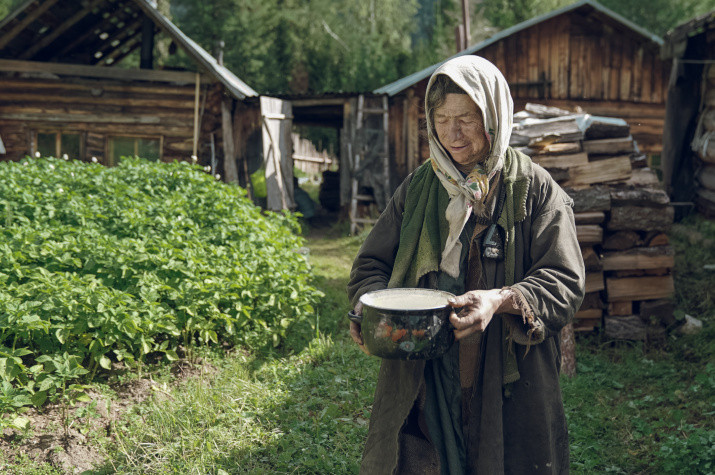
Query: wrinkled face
point(460, 129)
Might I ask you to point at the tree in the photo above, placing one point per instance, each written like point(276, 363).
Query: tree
point(659, 16)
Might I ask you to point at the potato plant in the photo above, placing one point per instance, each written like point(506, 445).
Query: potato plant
point(100, 266)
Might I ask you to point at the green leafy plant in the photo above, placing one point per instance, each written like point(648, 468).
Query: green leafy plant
point(104, 266)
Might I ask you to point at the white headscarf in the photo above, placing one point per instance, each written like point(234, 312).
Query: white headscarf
point(487, 87)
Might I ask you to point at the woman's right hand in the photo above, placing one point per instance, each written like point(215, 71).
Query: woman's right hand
point(356, 330)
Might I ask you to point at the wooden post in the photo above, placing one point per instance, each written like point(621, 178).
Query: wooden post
point(568, 351)
point(196, 114)
point(147, 51)
point(465, 19)
point(229, 154)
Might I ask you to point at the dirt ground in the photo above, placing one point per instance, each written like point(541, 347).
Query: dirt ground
point(76, 447)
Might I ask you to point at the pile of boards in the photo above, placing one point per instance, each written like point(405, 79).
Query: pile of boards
point(704, 146)
point(622, 216)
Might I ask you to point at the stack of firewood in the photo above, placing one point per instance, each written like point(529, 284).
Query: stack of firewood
point(704, 147)
point(622, 215)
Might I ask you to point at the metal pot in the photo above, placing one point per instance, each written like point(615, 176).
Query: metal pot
point(405, 323)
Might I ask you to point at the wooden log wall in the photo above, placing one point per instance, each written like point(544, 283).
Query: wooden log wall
point(98, 109)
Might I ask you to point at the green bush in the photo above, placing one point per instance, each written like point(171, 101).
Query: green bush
point(102, 265)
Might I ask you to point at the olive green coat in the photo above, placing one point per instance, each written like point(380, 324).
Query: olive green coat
point(522, 430)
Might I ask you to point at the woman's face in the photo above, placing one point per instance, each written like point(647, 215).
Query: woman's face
point(460, 129)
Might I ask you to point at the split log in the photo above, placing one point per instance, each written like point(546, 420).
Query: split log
point(594, 282)
point(592, 300)
point(642, 177)
point(585, 325)
point(639, 160)
point(561, 161)
point(568, 351)
point(625, 328)
point(594, 198)
point(639, 197)
point(655, 239)
point(615, 146)
point(639, 288)
point(590, 217)
point(567, 129)
point(706, 153)
point(620, 308)
point(622, 240)
point(641, 218)
point(661, 311)
point(606, 127)
point(560, 175)
point(706, 202)
point(589, 314)
point(545, 112)
point(706, 177)
point(639, 258)
point(601, 171)
point(709, 120)
point(564, 148)
point(589, 234)
point(591, 259)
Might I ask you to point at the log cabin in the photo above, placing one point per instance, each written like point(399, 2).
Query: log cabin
point(583, 55)
point(64, 89)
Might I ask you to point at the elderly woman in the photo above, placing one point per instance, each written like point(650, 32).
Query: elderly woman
point(480, 220)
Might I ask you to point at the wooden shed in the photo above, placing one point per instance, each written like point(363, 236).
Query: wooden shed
point(581, 55)
point(688, 158)
point(65, 90)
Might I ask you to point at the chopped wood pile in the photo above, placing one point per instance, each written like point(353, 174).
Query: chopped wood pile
point(704, 147)
point(622, 215)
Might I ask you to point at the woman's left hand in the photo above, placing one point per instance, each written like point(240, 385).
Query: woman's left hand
point(478, 308)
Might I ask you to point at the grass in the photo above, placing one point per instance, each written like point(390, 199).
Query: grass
point(631, 408)
point(302, 413)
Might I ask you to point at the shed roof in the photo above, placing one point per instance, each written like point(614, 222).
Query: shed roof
point(404, 83)
point(676, 39)
point(98, 33)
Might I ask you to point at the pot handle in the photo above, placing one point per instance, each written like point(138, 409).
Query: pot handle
point(354, 317)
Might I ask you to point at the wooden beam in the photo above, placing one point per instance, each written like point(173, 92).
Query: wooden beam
point(32, 16)
point(128, 31)
point(92, 118)
point(63, 27)
point(121, 51)
point(97, 72)
point(127, 52)
point(122, 33)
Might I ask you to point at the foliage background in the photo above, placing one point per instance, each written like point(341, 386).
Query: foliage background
point(314, 46)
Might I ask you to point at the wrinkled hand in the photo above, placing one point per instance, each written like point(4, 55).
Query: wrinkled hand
point(356, 330)
point(478, 308)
